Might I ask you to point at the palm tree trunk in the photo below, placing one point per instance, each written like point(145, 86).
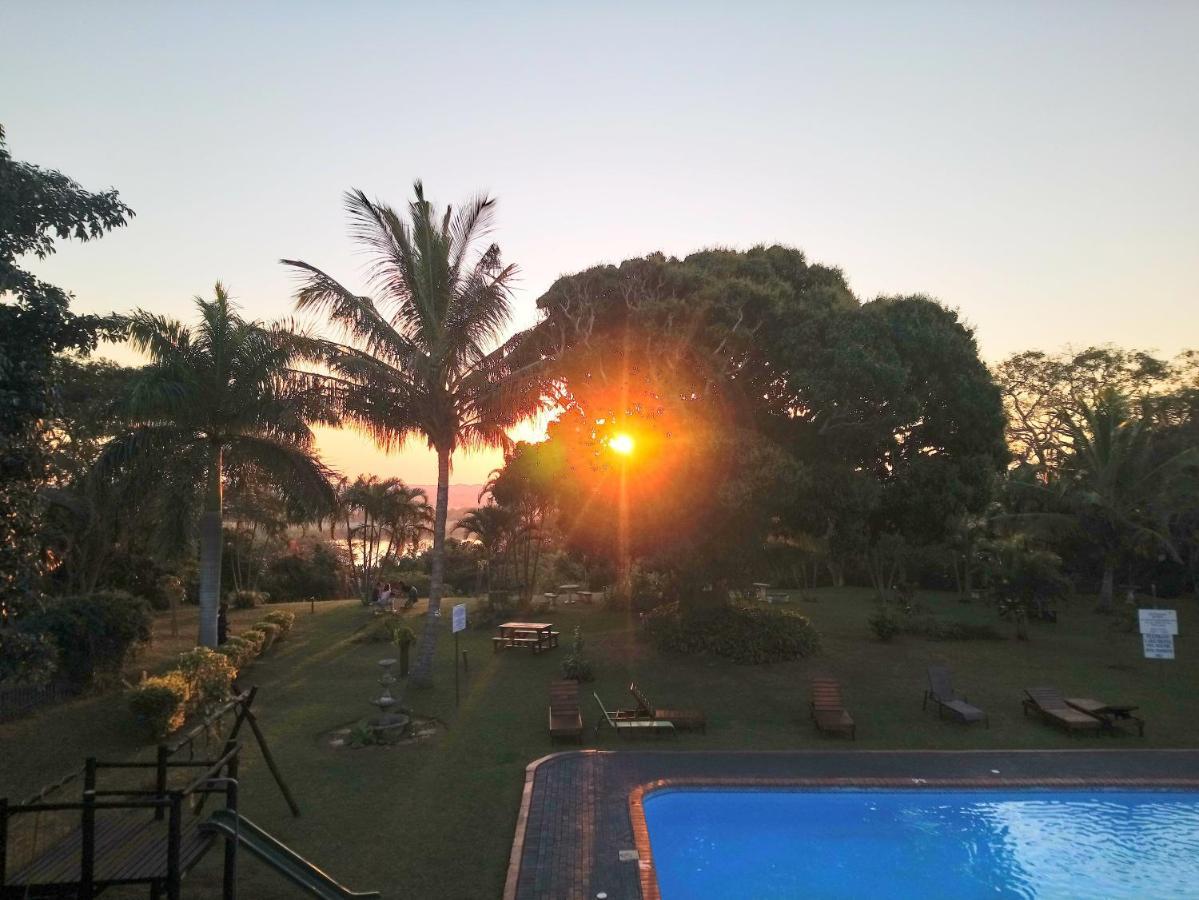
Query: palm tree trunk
point(422, 673)
point(210, 554)
point(1107, 586)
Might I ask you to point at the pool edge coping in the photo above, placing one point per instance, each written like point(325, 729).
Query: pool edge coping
point(647, 874)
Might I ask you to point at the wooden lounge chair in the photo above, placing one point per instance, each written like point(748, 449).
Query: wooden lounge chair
point(941, 692)
point(1049, 704)
point(828, 709)
point(625, 722)
point(1111, 715)
point(682, 718)
point(566, 719)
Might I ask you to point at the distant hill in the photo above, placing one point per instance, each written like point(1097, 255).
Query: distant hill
point(462, 496)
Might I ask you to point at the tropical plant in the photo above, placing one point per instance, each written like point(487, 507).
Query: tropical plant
point(425, 357)
point(1120, 491)
point(383, 519)
point(223, 394)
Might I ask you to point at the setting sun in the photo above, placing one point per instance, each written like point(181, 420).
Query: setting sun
point(622, 444)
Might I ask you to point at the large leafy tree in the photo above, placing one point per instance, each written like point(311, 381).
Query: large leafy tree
point(36, 207)
point(424, 357)
point(221, 394)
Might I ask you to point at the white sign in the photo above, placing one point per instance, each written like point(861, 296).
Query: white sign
point(1158, 646)
point(1159, 621)
point(459, 618)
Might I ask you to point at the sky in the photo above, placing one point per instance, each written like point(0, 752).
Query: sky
point(1032, 165)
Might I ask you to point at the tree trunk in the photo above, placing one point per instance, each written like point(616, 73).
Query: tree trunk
point(210, 554)
point(1107, 586)
point(422, 674)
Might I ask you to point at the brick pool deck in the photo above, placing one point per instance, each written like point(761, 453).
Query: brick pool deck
point(579, 808)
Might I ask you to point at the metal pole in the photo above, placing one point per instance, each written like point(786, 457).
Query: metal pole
point(455, 668)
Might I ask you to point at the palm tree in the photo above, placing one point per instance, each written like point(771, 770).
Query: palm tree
point(489, 525)
point(392, 517)
point(425, 357)
point(222, 394)
point(1116, 484)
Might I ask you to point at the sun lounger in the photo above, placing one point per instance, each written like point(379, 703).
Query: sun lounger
point(1110, 714)
point(1049, 704)
point(682, 718)
point(565, 718)
point(940, 691)
point(828, 709)
point(625, 722)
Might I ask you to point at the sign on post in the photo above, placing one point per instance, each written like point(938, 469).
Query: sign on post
point(1158, 646)
point(1159, 621)
point(1158, 627)
point(459, 618)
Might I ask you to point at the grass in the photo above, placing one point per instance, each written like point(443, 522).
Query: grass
point(436, 819)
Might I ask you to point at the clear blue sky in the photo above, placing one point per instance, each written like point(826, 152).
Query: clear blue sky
point(1035, 165)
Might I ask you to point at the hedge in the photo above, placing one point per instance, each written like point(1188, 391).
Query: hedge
point(744, 634)
point(159, 704)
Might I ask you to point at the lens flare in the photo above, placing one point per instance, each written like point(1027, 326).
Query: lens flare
point(622, 444)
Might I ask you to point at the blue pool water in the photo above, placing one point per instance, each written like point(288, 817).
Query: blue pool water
point(754, 845)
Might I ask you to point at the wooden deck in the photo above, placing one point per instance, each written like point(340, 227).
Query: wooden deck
point(129, 849)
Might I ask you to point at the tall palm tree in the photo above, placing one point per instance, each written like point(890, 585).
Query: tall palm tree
point(1116, 484)
point(425, 356)
point(221, 394)
point(491, 526)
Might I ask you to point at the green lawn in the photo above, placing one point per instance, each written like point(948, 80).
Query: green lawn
point(436, 820)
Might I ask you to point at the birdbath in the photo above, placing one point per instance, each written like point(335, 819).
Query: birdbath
point(387, 722)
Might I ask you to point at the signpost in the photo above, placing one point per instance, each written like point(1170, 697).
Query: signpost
point(459, 624)
point(1158, 628)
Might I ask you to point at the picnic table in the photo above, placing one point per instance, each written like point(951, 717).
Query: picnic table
point(535, 636)
point(1110, 714)
point(571, 589)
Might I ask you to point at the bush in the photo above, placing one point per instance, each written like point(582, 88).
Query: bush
point(744, 634)
point(26, 657)
point(283, 619)
point(272, 634)
point(884, 624)
point(94, 633)
point(575, 667)
point(255, 638)
point(937, 630)
point(248, 599)
point(385, 628)
point(209, 677)
point(239, 655)
point(318, 573)
point(159, 704)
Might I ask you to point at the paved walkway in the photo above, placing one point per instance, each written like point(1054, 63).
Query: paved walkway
point(575, 817)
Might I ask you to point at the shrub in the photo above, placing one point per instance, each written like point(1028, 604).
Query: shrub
point(385, 628)
point(94, 633)
point(248, 599)
point(744, 634)
point(26, 657)
point(159, 704)
point(272, 634)
point(884, 624)
point(576, 667)
point(239, 655)
point(255, 638)
point(282, 618)
point(209, 676)
point(938, 630)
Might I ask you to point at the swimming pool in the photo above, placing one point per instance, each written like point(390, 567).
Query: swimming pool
point(923, 843)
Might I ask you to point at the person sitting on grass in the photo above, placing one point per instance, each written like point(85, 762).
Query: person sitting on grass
point(385, 601)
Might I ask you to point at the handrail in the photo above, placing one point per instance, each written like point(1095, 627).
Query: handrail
point(57, 785)
point(58, 807)
point(212, 770)
point(200, 727)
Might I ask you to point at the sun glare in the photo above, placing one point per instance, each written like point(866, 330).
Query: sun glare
point(622, 444)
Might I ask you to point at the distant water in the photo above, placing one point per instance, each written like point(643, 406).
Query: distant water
point(755, 845)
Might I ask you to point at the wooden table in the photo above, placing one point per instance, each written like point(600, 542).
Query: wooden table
point(570, 589)
point(1108, 713)
point(535, 636)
